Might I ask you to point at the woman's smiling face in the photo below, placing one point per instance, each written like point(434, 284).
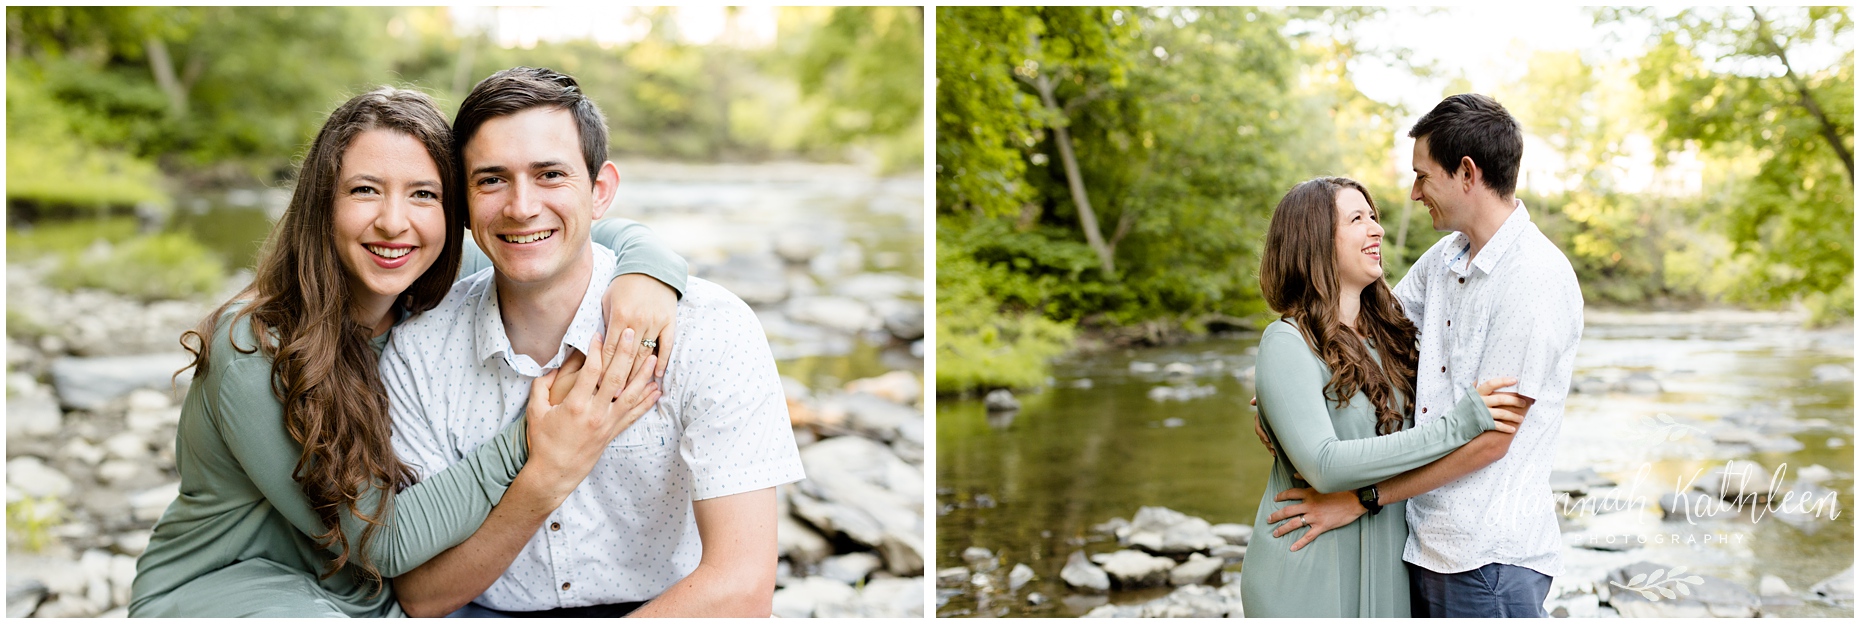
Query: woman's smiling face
point(390, 223)
point(1359, 241)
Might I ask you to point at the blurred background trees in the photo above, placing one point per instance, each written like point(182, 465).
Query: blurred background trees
point(1704, 170)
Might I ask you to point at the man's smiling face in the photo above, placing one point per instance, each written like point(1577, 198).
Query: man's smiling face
point(530, 196)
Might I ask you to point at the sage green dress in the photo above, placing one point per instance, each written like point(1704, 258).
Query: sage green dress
point(1354, 570)
point(238, 541)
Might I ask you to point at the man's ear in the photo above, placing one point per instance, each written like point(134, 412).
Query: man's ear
point(1474, 176)
point(606, 184)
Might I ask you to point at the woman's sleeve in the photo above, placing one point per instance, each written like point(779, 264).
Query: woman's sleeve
point(422, 521)
point(640, 250)
point(1291, 397)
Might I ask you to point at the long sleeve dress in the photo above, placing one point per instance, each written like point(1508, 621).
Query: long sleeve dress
point(1354, 570)
point(238, 541)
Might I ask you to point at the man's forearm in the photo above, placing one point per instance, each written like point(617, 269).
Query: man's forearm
point(1478, 453)
point(449, 581)
point(711, 591)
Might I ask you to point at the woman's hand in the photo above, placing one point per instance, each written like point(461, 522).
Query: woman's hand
point(1507, 407)
point(647, 306)
point(567, 437)
point(1317, 512)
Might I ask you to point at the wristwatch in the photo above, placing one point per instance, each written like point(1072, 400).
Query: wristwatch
point(1367, 495)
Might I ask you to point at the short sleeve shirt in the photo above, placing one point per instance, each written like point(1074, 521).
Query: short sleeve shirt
point(628, 532)
point(1515, 310)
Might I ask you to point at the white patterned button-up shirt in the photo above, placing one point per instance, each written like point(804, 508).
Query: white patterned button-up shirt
point(1515, 310)
point(627, 533)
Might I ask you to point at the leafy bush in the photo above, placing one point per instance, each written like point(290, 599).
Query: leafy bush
point(979, 345)
point(162, 266)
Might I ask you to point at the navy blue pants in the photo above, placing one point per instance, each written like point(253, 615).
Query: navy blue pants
point(1495, 590)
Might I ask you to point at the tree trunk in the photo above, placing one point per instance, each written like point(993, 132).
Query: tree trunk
point(1808, 101)
point(163, 67)
point(1088, 220)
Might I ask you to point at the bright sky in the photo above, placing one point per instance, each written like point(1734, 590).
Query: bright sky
point(615, 25)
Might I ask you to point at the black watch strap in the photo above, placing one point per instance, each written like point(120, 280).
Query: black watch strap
point(1367, 495)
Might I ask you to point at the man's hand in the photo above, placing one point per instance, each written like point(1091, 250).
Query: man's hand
point(1319, 512)
point(648, 307)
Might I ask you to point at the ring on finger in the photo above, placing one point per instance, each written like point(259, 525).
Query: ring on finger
point(649, 343)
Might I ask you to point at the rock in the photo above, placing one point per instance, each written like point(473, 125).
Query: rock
point(906, 324)
point(849, 568)
point(1131, 569)
point(1179, 369)
point(1019, 576)
point(148, 505)
point(1606, 543)
point(757, 279)
point(1114, 611)
point(1832, 373)
point(1236, 534)
point(1181, 393)
point(1707, 597)
point(82, 450)
point(1110, 527)
point(860, 488)
point(815, 596)
point(23, 596)
point(1815, 473)
point(797, 245)
point(119, 612)
point(869, 415)
point(1081, 383)
point(1771, 586)
point(1589, 385)
point(892, 598)
point(840, 313)
point(1143, 367)
point(1198, 570)
point(1194, 601)
point(1641, 383)
point(1691, 505)
point(1036, 599)
point(1736, 480)
point(1001, 400)
point(152, 422)
point(68, 606)
point(1837, 590)
point(1080, 574)
point(1229, 552)
point(127, 445)
point(1579, 605)
point(899, 387)
point(134, 543)
point(32, 477)
point(89, 383)
point(122, 578)
point(119, 471)
point(33, 415)
point(980, 559)
point(145, 399)
point(952, 577)
point(878, 286)
point(1577, 481)
point(797, 541)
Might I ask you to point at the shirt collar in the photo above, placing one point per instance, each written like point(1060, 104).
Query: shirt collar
point(492, 340)
point(1507, 234)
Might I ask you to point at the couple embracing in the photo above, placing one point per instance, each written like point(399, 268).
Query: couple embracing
point(1413, 428)
point(544, 418)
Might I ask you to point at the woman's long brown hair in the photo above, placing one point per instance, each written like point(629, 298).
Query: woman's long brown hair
point(1298, 276)
point(324, 370)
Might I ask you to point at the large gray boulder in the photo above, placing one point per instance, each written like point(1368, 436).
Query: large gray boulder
point(1837, 590)
point(815, 596)
point(90, 383)
point(32, 477)
point(892, 598)
point(1198, 570)
point(34, 415)
point(858, 488)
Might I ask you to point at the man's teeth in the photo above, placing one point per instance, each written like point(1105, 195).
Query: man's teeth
point(528, 238)
point(389, 252)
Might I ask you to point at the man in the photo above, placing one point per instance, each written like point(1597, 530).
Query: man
point(679, 514)
point(1494, 298)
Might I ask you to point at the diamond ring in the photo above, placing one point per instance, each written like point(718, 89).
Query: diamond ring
point(649, 343)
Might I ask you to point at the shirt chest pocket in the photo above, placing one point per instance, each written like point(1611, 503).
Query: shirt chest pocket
point(649, 435)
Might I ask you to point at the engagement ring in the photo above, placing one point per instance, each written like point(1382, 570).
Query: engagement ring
point(649, 343)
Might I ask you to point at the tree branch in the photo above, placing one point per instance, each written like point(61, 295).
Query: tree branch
point(1075, 181)
point(163, 67)
point(1828, 130)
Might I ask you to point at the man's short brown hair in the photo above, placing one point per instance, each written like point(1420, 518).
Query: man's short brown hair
point(518, 89)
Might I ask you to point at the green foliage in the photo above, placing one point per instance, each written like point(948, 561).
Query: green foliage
point(851, 65)
point(49, 162)
point(107, 254)
point(29, 522)
point(978, 346)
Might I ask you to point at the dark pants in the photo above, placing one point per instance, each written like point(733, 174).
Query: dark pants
point(472, 609)
point(1495, 590)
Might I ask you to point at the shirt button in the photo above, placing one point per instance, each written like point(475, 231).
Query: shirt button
point(1443, 369)
point(1424, 410)
point(565, 587)
point(1462, 280)
point(555, 526)
point(1449, 323)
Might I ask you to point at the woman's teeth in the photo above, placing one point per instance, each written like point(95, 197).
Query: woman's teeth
point(528, 238)
point(389, 252)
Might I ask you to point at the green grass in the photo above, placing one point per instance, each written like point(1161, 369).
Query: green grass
point(160, 266)
point(29, 522)
point(981, 348)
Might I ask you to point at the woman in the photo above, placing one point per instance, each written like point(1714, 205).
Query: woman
point(292, 500)
point(1336, 373)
